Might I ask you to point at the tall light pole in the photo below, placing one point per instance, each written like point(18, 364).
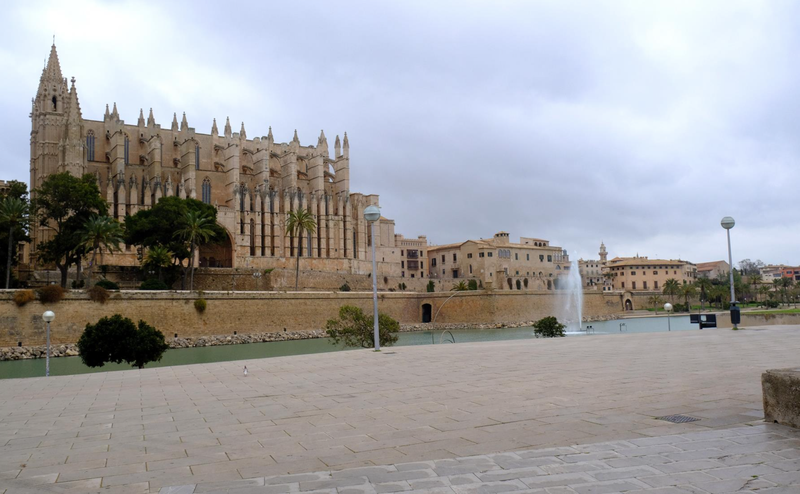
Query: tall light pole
point(48, 318)
point(668, 309)
point(728, 223)
point(372, 214)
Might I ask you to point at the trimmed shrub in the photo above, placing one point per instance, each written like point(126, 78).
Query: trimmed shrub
point(108, 285)
point(401, 286)
point(98, 294)
point(548, 327)
point(117, 339)
point(472, 284)
point(344, 288)
point(51, 294)
point(431, 286)
point(153, 284)
point(354, 328)
point(77, 284)
point(200, 305)
point(22, 297)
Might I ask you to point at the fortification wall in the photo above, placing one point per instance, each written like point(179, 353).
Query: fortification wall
point(257, 312)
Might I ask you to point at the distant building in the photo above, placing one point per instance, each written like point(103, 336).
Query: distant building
point(713, 270)
point(773, 272)
point(412, 255)
point(531, 264)
point(591, 270)
point(643, 274)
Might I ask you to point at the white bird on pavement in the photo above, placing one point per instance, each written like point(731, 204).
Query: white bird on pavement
point(245, 371)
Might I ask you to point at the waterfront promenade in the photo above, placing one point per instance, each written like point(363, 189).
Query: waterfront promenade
point(207, 428)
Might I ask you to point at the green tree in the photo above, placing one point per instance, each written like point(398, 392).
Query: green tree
point(671, 288)
point(548, 327)
point(688, 291)
point(14, 212)
point(100, 232)
point(156, 226)
point(430, 287)
point(64, 203)
point(354, 328)
point(14, 190)
point(655, 302)
point(196, 230)
point(158, 257)
point(299, 223)
point(704, 285)
point(460, 286)
point(754, 280)
point(117, 339)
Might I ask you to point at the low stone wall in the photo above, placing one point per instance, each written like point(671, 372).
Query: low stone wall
point(781, 390)
point(755, 320)
point(268, 312)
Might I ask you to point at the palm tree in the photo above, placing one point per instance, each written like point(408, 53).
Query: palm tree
point(688, 291)
point(754, 279)
point(764, 290)
point(100, 232)
point(671, 288)
point(655, 301)
point(298, 224)
point(461, 286)
point(197, 230)
point(704, 285)
point(14, 211)
point(159, 257)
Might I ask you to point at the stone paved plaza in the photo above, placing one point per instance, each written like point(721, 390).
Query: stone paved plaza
point(427, 418)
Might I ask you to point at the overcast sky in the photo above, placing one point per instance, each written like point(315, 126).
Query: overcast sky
point(640, 124)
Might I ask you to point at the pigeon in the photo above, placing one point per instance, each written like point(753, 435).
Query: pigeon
point(245, 371)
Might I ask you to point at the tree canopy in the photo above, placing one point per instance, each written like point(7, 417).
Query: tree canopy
point(117, 339)
point(64, 203)
point(13, 227)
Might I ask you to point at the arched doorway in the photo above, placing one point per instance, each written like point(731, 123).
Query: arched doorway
point(426, 312)
point(219, 255)
point(628, 304)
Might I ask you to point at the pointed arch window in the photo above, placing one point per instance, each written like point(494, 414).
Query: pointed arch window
point(197, 157)
point(242, 191)
point(127, 150)
point(206, 191)
point(90, 146)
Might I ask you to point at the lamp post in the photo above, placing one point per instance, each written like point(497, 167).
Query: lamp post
point(48, 318)
point(372, 214)
point(668, 309)
point(728, 223)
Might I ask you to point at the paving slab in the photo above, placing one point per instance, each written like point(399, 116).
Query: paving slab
point(330, 412)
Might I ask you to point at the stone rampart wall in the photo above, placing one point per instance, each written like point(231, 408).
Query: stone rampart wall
point(258, 312)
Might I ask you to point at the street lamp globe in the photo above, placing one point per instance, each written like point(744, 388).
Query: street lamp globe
point(48, 316)
point(727, 222)
point(668, 307)
point(372, 213)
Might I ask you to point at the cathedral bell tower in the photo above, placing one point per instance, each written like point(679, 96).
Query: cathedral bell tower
point(603, 253)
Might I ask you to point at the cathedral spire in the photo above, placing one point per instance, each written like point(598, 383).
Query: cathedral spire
point(140, 123)
point(184, 123)
point(346, 143)
point(337, 146)
point(114, 112)
point(74, 116)
point(214, 129)
point(242, 133)
point(151, 121)
point(52, 71)
point(322, 138)
point(107, 115)
point(228, 131)
point(174, 121)
point(269, 135)
point(295, 139)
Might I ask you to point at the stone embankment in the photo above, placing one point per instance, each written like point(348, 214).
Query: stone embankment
point(71, 350)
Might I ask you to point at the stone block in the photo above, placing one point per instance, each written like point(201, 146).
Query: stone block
point(781, 389)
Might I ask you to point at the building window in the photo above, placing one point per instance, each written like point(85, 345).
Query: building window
point(655, 272)
point(127, 150)
point(480, 254)
point(633, 273)
point(90, 146)
point(206, 191)
point(516, 256)
point(549, 258)
point(402, 264)
point(470, 269)
point(489, 254)
point(623, 284)
point(196, 157)
point(655, 285)
point(644, 285)
point(633, 285)
point(443, 271)
point(403, 274)
point(541, 258)
point(527, 257)
point(469, 255)
point(401, 253)
point(443, 261)
point(433, 262)
point(454, 258)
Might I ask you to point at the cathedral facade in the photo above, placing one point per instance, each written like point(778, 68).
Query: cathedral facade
point(253, 182)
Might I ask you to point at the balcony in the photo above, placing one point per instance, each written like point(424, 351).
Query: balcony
point(413, 265)
point(412, 254)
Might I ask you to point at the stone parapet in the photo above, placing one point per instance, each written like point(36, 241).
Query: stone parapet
point(781, 389)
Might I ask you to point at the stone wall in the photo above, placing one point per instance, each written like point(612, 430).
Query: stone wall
point(258, 312)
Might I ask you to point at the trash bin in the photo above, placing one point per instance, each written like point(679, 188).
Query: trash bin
point(736, 316)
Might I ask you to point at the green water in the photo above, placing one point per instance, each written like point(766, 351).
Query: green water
point(64, 366)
